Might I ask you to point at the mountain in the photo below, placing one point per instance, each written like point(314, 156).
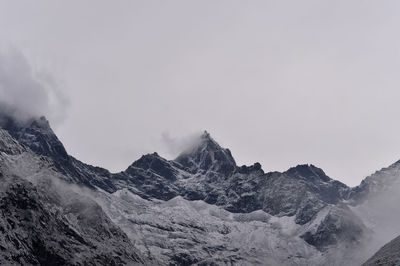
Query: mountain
point(208, 172)
point(388, 255)
point(377, 183)
point(207, 156)
point(45, 222)
point(205, 172)
point(40, 138)
point(198, 209)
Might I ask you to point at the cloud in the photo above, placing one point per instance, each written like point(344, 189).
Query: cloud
point(174, 146)
point(27, 93)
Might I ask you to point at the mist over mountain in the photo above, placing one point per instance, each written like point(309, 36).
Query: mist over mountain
point(26, 93)
point(389, 254)
point(198, 209)
point(200, 133)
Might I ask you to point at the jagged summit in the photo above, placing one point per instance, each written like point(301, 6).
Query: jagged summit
point(36, 134)
point(206, 134)
point(207, 155)
point(377, 182)
point(202, 143)
point(303, 197)
point(153, 163)
point(308, 172)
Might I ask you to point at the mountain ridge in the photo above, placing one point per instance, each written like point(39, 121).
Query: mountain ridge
point(208, 172)
point(318, 205)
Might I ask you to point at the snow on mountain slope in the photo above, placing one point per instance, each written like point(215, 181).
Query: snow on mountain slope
point(187, 232)
point(206, 156)
point(40, 138)
point(376, 202)
point(182, 232)
point(205, 172)
point(208, 172)
point(44, 222)
point(377, 183)
point(202, 208)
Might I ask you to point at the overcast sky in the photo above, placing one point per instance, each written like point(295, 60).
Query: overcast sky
point(278, 82)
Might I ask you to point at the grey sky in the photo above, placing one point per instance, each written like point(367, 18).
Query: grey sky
point(279, 82)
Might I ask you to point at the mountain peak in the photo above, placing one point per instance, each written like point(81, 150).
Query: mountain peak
point(206, 134)
point(308, 172)
point(207, 155)
point(208, 140)
point(37, 134)
point(204, 141)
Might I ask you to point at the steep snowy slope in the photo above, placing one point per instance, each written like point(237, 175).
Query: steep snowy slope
point(205, 172)
point(208, 172)
point(182, 232)
point(44, 222)
point(186, 232)
point(40, 138)
point(376, 202)
point(202, 208)
point(377, 183)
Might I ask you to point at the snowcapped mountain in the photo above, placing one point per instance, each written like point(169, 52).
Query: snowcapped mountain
point(200, 208)
point(208, 172)
point(40, 138)
point(44, 222)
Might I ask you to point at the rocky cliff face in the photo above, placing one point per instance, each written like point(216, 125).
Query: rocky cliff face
point(207, 156)
point(204, 172)
point(200, 208)
point(208, 172)
point(44, 222)
point(37, 135)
